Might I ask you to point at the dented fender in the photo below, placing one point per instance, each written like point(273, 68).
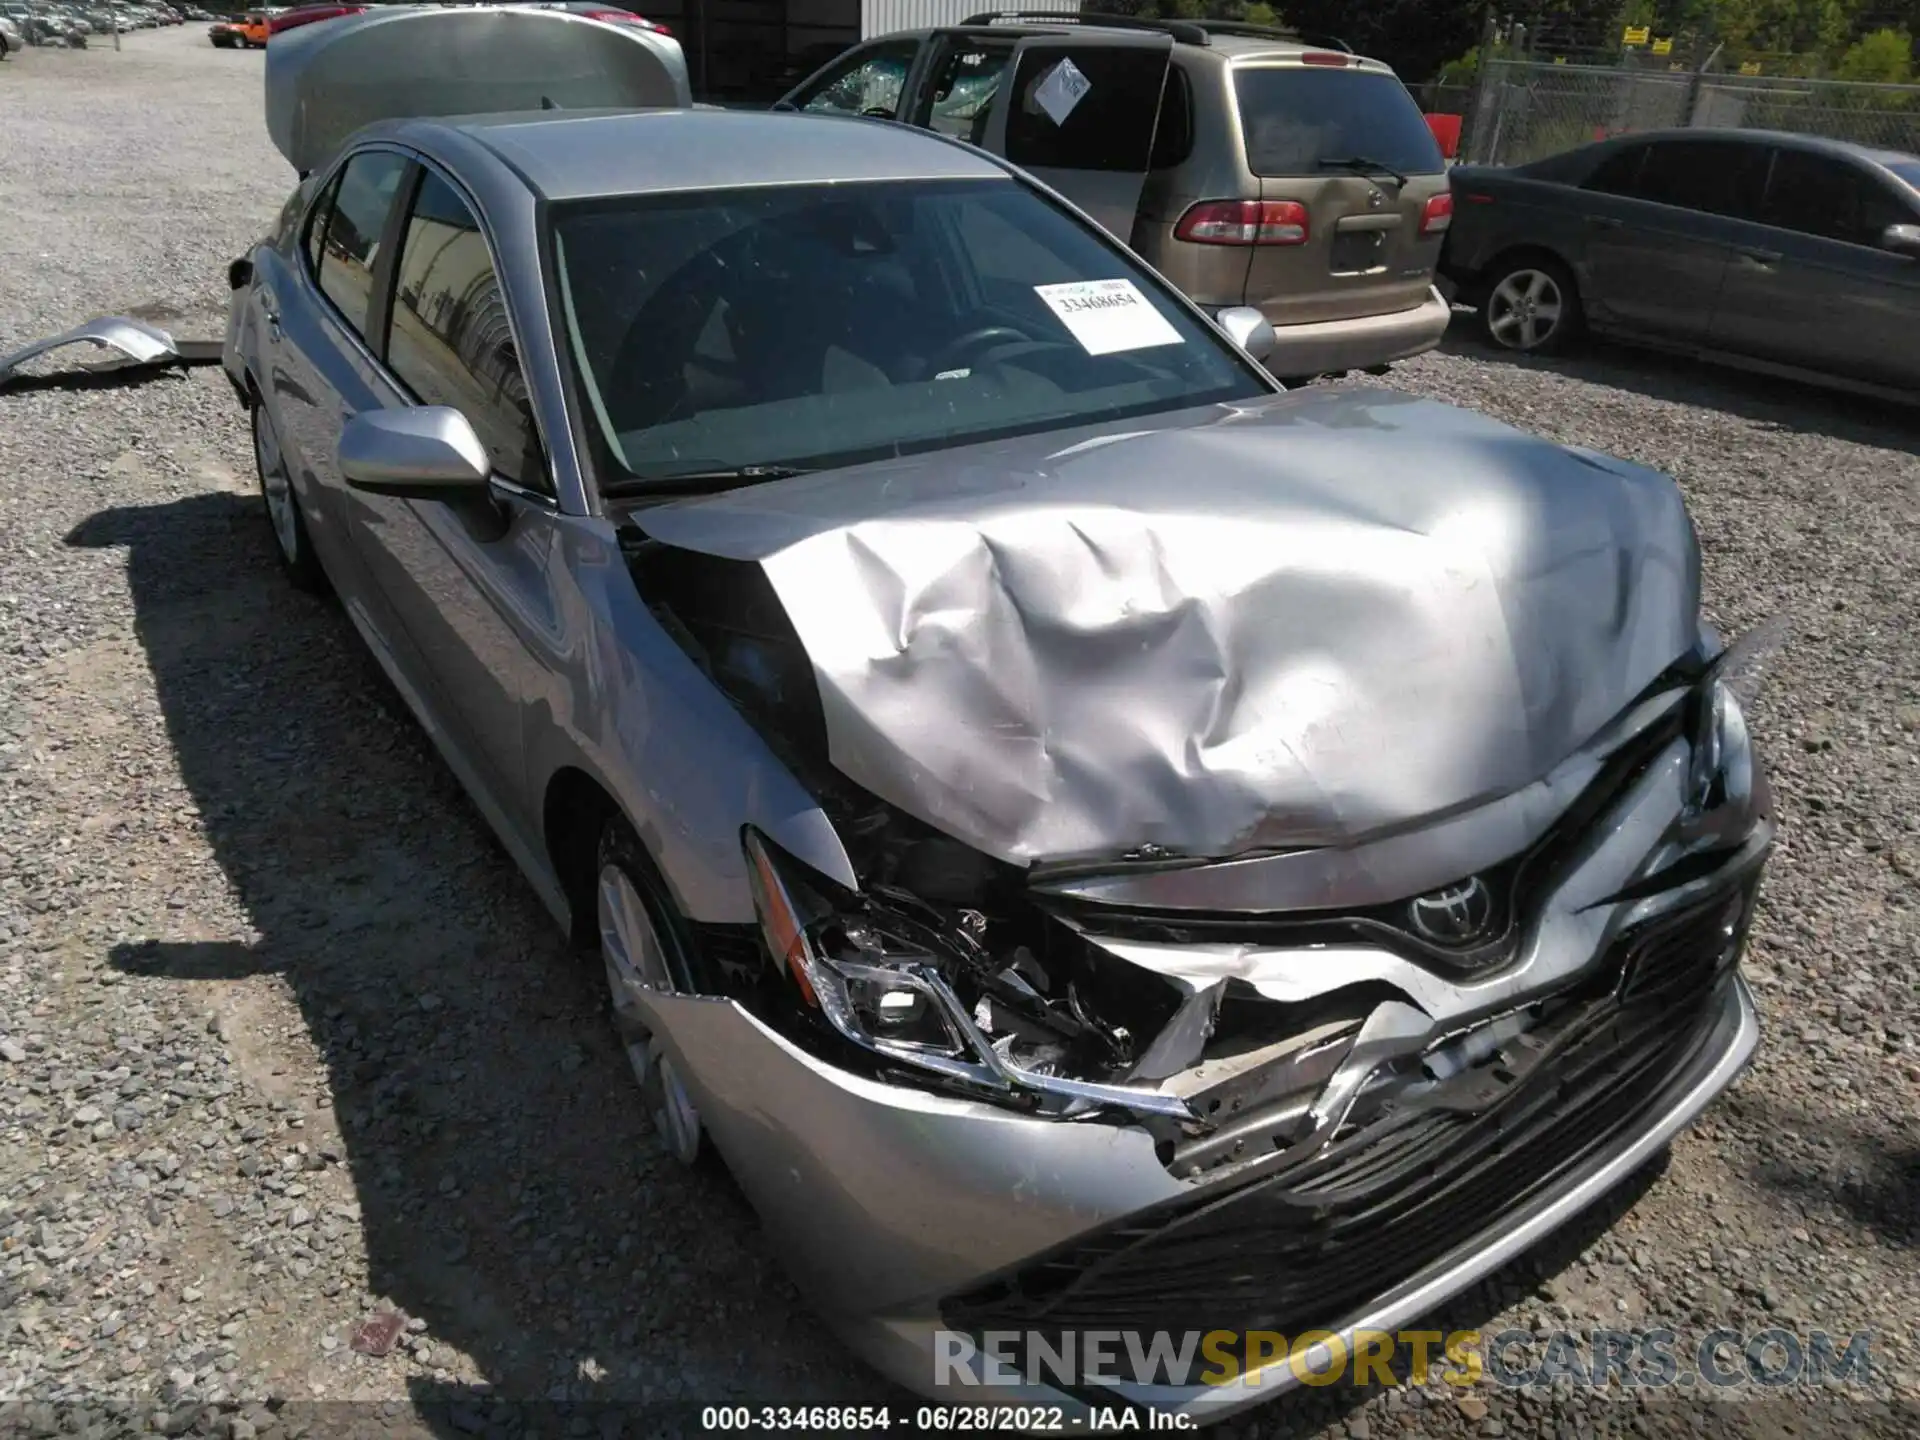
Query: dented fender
point(883, 1197)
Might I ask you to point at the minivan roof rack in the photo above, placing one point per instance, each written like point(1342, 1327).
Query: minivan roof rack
point(1270, 32)
point(1188, 32)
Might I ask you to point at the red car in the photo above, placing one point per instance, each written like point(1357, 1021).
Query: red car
point(612, 14)
point(306, 15)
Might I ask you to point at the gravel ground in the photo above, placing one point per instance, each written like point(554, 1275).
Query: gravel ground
point(286, 1044)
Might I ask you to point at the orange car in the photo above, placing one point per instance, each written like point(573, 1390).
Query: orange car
point(254, 29)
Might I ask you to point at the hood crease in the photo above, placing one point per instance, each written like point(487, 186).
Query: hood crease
point(1296, 624)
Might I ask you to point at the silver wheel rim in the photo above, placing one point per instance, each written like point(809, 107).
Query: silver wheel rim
point(1525, 309)
point(636, 962)
point(275, 484)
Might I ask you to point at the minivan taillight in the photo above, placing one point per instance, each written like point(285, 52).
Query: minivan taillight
point(1438, 215)
point(1244, 222)
point(1325, 57)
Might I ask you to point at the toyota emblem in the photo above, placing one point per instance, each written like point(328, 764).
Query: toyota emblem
point(1458, 915)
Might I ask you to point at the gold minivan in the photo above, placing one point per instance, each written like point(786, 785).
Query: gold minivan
point(1249, 165)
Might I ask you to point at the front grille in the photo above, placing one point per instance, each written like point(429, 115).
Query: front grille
point(1303, 1248)
point(1519, 886)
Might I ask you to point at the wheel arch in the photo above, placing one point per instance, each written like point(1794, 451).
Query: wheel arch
point(574, 810)
point(1520, 253)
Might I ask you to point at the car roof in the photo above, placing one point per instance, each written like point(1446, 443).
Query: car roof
point(1202, 40)
point(572, 155)
point(1789, 139)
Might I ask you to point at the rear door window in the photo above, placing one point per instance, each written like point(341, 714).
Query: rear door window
point(1824, 196)
point(1085, 107)
point(1173, 133)
point(1619, 173)
point(1299, 120)
point(1716, 177)
point(363, 199)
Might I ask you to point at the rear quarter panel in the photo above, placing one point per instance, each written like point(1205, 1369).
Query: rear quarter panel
point(1497, 211)
point(1214, 169)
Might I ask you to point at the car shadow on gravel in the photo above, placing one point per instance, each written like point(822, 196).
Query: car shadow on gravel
point(107, 377)
point(1870, 1177)
point(1775, 403)
point(510, 1194)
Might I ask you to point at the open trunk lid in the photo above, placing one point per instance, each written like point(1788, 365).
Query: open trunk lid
point(327, 80)
point(1364, 253)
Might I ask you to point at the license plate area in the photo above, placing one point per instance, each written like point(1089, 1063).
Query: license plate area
point(1358, 252)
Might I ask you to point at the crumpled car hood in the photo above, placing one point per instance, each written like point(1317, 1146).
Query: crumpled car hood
point(1297, 623)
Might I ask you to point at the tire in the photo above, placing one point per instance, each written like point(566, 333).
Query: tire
point(288, 526)
point(1531, 305)
point(644, 943)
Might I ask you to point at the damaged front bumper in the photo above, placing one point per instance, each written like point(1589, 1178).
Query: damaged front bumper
point(916, 1353)
point(884, 1202)
point(1378, 1159)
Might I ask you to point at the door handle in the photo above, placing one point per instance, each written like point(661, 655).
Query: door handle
point(272, 317)
point(1603, 222)
point(1759, 257)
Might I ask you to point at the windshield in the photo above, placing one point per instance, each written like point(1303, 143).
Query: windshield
point(812, 325)
point(1296, 118)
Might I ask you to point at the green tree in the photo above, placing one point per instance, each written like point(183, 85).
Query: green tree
point(1783, 27)
point(1883, 56)
point(1416, 37)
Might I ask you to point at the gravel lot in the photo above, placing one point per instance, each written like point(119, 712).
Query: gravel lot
point(285, 1043)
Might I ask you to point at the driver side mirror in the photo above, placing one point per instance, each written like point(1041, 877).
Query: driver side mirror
point(1902, 240)
point(1248, 329)
point(424, 452)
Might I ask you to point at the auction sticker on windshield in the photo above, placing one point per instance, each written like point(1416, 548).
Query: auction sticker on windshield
point(1106, 316)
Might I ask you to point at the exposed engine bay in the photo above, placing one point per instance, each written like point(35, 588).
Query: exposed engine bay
point(949, 969)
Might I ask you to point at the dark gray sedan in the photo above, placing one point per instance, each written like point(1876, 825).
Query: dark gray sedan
point(1785, 253)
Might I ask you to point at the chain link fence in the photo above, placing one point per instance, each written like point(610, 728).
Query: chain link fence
point(1525, 110)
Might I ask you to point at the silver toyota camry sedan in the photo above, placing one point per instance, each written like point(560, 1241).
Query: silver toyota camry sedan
point(1099, 845)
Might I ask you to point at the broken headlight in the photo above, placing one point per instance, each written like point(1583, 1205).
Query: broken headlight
point(1722, 772)
point(885, 978)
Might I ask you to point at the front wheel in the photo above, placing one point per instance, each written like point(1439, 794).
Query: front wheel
point(643, 948)
point(1531, 306)
point(283, 505)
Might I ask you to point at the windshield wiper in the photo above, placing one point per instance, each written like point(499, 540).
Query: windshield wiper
point(701, 481)
point(1362, 164)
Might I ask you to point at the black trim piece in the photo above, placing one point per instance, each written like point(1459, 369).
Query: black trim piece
point(1187, 32)
point(380, 300)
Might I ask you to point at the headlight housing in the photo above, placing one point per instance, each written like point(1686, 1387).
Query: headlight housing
point(1723, 772)
point(879, 976)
